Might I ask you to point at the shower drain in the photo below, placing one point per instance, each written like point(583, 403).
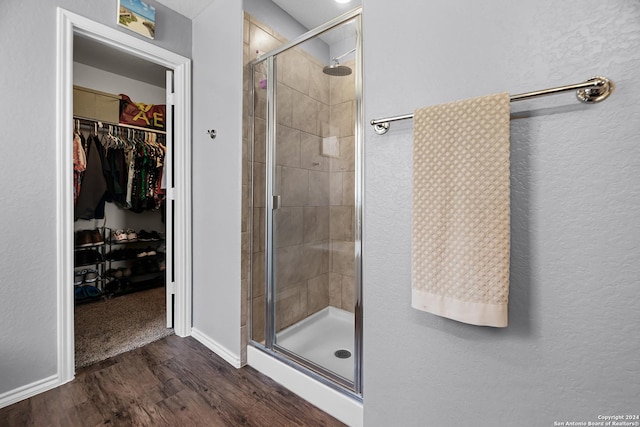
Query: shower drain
point(342, 354)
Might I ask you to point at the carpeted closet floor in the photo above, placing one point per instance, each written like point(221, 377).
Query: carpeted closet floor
point(109, 327)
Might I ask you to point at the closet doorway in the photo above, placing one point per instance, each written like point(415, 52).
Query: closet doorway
point(116, 233)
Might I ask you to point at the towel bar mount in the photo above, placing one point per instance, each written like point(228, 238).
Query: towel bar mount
point(594, 90)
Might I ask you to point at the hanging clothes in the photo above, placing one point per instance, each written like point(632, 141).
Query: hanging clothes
point(90, 203)
point(79, 164)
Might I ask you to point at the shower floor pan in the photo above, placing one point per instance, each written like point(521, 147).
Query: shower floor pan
point(320, 336)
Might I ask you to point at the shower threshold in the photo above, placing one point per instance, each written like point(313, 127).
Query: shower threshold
point(323, 338)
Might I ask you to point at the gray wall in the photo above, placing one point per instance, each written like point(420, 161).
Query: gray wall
point(28, 175)
point(217, 180)
point(571, 351)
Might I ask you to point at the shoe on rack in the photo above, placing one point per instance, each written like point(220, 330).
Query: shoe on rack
point(92, 291)
point(96, 237)
point(118, 236)
point(80, 293)
point(126, 272)
point(150, 251)
point(143, 236)
point(91, 276)
point(115, 273)
point(131, 235)
point(78, 277)
point(153, 235)
point(92, 256)
point(83, 238)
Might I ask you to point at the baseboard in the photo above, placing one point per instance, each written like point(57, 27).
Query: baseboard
point(338, 405)
point(14, 396)
point(220, 350)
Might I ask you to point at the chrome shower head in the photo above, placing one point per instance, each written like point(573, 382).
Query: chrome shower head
point(336, 69)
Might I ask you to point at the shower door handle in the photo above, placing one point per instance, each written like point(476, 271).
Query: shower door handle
point(276, 202)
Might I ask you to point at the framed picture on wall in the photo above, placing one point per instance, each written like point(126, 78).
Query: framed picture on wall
point(137, 16)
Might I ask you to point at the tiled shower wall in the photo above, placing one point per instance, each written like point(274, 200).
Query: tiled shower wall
point(314, 237)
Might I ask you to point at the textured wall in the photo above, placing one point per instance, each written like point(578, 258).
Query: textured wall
point(28, 172)
point(217, 169)
point(571, 349)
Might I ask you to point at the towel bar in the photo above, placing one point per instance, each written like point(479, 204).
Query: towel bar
point(594, 90)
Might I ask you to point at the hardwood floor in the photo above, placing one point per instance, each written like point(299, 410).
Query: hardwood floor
point(171, 382)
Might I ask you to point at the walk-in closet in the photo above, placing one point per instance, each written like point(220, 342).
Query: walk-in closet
point(120, 219)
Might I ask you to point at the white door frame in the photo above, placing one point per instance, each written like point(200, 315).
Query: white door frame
point(69, 24)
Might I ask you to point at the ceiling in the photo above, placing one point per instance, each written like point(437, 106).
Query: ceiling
point(310, 13)
point(107, 58)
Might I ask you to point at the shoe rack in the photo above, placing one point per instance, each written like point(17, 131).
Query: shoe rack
point(134, 261)
point(89, 265)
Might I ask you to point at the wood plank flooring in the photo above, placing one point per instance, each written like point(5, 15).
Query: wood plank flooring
point(171, 382)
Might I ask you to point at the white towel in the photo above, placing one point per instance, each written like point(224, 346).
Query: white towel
point(460, 258)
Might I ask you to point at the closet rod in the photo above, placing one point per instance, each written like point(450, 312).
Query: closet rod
point(594, 90)
point(119, 124)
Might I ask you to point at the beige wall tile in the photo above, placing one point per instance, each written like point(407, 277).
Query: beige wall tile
point(260, 140)
point(289, 227)
point(260, 96)
point(244, 300)
point(342, 118)
point(310, 149)
point(341, 223)
point(244, 341)
point(319, 84)
point(342, 257)
point(335, 290)
point(244, 223)
point(315, 259)
point(258, 318)
point(317, 293)
point(348, 293)
point(295, 70)
point(287, 146)
point(258, 277)
point(346, 161)
point(291, 306)
point(284, 105)
point(261, 40)
point(295, 187)
point(336, 189)
point(318, 189)
point(290, 266)
point(348, 188)
point(324, 121)
point(259, 182)
point(258, 229)
point(316, 223)
point(305, 113)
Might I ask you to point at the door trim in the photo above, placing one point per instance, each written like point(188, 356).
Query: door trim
point(68, 25)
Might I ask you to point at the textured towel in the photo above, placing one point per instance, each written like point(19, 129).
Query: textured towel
point(460, 259)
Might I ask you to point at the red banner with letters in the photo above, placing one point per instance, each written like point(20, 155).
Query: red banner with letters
point(140, 114)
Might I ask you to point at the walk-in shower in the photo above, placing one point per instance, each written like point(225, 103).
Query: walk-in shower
point(305, 300)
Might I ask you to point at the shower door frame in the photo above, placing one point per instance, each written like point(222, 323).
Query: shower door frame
point(270, 347)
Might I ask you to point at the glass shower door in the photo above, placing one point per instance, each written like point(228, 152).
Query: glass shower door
point(307, 158)
point(313, 220)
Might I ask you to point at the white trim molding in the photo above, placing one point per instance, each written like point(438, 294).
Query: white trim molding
point(70, 24)
point(217, 348)
point(29, 390)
